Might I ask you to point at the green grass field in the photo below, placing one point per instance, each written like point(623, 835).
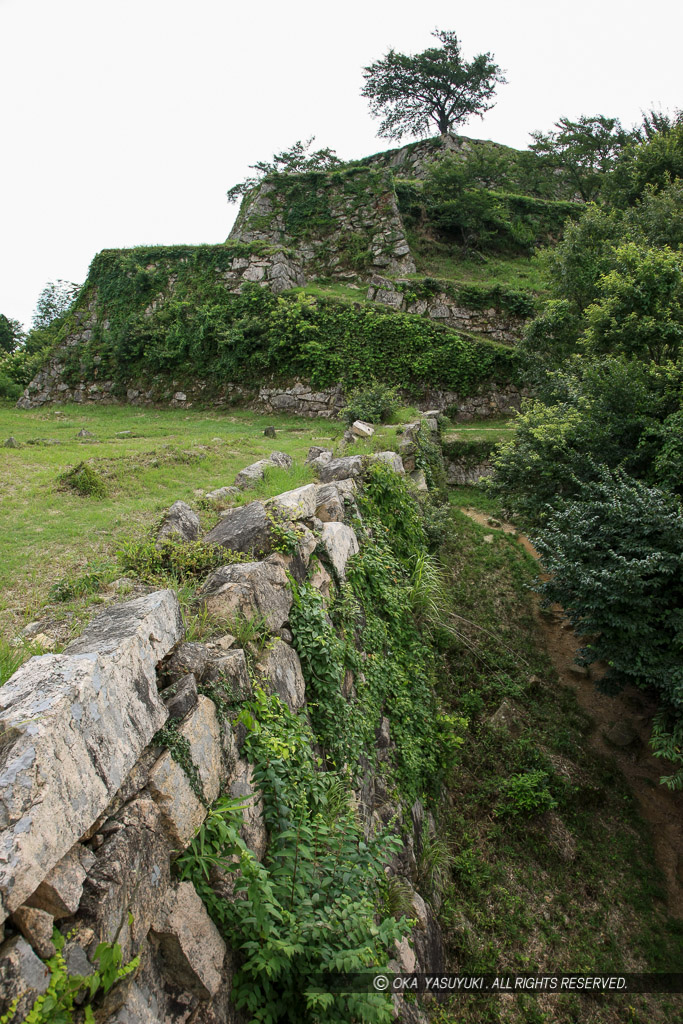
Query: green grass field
point(147, 458)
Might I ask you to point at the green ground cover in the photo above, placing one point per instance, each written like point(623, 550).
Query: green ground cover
point(147, 458)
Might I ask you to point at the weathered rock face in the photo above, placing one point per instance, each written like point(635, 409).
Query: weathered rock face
point(180, 523)
point(250, 589)
point(59, 894)
point(390, 459)
point(243, 529)
point(132, 875)
point(360, 208)
point(191, 947)
point(341, 469)
point(182, 808)
point(22, 976)
point(280, 665)
point(75, 724)
point(494, 324)
point(340, 543)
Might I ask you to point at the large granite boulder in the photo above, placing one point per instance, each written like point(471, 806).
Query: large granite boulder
point(340, 542)
point(280, 668)
point(73, 726)
point(125, 890)
point(243, 529)
point(341, 469)
point(250, 589)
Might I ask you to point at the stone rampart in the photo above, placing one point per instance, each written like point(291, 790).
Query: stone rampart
point(94, 810)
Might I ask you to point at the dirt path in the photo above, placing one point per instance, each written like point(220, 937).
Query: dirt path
point(621, 732)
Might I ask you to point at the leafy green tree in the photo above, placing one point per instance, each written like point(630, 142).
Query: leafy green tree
point(639, 311)
point(289, 161)
point(12, 334)
point(611, 411)
point(614, 559)
point(657, 162)
point(582, 151)
point(54, 300)
point(437, 88)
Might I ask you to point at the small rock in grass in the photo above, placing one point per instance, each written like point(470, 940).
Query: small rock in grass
point(11, 442)
point(84, 433)
point(488, 538)
point(362, 429)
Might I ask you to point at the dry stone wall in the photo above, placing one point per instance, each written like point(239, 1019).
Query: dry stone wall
point(93, 812)
point(444, 309)
point(298, 399)
point(336, 224)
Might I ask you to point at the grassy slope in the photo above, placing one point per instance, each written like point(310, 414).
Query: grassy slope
point(572, 889)
point(48, 533)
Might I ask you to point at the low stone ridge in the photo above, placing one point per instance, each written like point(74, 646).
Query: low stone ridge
point(93, 811)
point(74, 725)
point(180, 523)
point(493, 324)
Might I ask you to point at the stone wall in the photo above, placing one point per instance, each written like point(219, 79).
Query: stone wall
point(361, 230)
point(299, 398)
point(413, 161)
point(93, 812)
point(493, 324)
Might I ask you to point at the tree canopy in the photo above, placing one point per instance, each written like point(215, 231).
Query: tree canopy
point(289, 161)
point(583, 150)
point(435, 88)
point(11, 334)
point(53, 302)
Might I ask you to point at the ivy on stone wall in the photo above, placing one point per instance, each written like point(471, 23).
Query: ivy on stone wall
point(167, 311)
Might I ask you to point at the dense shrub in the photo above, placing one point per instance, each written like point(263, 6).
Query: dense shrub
point(614, 556)
point(374, 403)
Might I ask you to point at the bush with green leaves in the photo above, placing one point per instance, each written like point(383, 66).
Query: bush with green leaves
point(614, 558)
point(202, 331)
point(374, 403)
point(312, 905)
point(525, 795)
point(639, 308)
point(181, 560)
point(612, 412)
point(85, 480)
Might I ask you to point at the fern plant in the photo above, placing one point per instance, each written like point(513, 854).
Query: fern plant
point(311, 907)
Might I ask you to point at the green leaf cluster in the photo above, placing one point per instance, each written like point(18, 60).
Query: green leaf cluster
point(69, 997)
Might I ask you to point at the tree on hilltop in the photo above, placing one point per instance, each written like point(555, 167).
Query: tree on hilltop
point(289, 161)
point(434, 88)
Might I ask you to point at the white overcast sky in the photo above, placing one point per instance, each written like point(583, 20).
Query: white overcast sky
point(123, 122)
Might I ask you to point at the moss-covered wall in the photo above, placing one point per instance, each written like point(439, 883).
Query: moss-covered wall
point(339, 223)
